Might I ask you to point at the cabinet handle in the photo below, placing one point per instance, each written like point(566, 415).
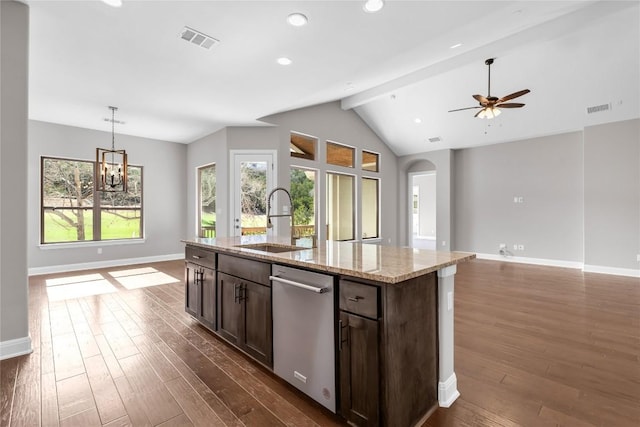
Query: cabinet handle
point(355, 299)
point(342, 326)
point(235, 294)
point(242, 295)
point(196, 256)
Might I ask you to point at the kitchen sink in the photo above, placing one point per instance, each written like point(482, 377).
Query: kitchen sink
point(270, 247)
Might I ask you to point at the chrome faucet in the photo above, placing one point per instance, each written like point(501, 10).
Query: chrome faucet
point(269, 216)
point(290, 214)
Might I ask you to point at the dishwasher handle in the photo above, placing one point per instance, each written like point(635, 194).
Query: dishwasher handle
point(299, 285)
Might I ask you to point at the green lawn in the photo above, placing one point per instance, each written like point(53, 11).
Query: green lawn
point(118, 224)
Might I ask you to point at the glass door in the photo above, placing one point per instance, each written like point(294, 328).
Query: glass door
point(252, 180)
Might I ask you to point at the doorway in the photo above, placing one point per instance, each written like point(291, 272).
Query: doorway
point(252, 178)
point(422, 210)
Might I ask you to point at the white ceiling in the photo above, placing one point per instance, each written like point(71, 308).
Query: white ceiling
point(391, 67)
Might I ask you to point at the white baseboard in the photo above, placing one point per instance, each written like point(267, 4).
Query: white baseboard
point(448, 391)
point(102, 264)
point(629, 272)
point(534, 261)
point(15, 347)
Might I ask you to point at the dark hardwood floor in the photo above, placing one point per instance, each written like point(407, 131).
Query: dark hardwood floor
point(535, 346)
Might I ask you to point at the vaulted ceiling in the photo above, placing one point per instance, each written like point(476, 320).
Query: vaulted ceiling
point(392, 67)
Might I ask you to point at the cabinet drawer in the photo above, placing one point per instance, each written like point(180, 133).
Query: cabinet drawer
point(200, 256)
point(359, 299)
point(255, 271)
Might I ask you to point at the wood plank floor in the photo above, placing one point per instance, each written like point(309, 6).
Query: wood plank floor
point(535, 346)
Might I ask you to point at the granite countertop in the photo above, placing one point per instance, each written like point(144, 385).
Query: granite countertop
point(386, 264)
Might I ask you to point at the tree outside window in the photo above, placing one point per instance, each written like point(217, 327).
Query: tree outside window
point(71, 212)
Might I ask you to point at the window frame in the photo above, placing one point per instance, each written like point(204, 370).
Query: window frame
point(96, 210)
point(316, 193)
point(378, 156)
point(354, 199)
point(338, 144)
point(199, 170)
point(378, 207)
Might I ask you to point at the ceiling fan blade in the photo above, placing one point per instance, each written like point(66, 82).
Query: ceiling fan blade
point(481, 99)
point(510, 105)
point(514, 95)
point(460, 109)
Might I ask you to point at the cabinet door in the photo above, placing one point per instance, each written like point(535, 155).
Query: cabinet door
point(359, 370)
point(257, 321)
point(191, 289)
point(207, 295)
point(229, 307)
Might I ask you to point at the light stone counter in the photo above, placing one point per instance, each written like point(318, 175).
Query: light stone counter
point(384, 264)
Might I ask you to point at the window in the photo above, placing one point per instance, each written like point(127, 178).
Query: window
point(207, 201)
point(303, 146)
point(340, 155)
point(71, 213)
point(370, 208)
point(369, 161)
point(303, 193)
point(340, 206)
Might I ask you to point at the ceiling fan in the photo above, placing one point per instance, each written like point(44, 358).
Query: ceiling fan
point(490, 105)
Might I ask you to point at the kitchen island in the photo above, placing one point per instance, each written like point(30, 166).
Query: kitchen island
point(393, 318)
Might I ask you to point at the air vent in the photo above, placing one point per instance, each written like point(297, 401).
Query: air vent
point(598, 108)
point(198, 38)
point(435, 139)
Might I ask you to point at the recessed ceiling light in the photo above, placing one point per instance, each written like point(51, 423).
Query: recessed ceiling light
point(456, 45)
point(297, 19)
point(417, 120)
point(113, 3)
point(372, 6)
point(284, 61)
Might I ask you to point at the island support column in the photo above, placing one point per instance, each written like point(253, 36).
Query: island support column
point(447, 382)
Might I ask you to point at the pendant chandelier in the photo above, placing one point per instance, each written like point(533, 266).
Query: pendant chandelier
point(112, 164)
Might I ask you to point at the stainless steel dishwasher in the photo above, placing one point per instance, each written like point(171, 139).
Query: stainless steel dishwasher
point(303, 332)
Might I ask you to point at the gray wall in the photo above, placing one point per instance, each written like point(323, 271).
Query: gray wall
point(329, 122)
point(441, 161)
point(612, 194)
point(546, 173)
point(14, 60)
point(164, 198)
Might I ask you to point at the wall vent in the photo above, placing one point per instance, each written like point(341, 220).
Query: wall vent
point(598, 108)
point(198, 38)
point(435, 139)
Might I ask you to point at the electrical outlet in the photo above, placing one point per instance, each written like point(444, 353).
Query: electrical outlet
point(521, 247)
point(515, 247)
point(99, 251)
point(444, 243)
point(503, 246)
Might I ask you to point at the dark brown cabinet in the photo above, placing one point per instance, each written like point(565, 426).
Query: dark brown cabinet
point(244, 311)
point(359, 364)
point(359, 353)
point(388, 351)
point(200, 287)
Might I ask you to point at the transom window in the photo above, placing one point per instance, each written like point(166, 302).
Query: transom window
point(72, 212)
